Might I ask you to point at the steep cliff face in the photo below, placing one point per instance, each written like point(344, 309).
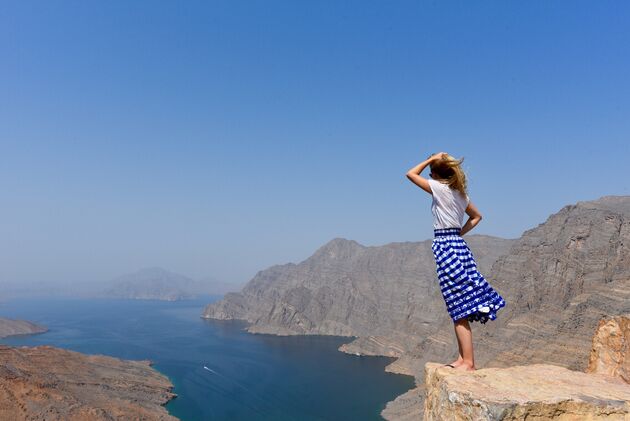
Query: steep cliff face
point(385, 294)
point(561, 278)
point(48, 383)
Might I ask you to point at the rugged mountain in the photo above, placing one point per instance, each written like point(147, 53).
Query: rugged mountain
point(48, 383)
point(11, 327)
point(160, 284)
point(559, 279)
point(349, 289)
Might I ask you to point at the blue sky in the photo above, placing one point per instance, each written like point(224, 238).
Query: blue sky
point(219, 138)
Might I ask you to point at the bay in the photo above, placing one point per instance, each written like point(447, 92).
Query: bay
point(246, 376)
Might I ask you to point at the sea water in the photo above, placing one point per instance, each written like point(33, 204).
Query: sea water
point(219, 371)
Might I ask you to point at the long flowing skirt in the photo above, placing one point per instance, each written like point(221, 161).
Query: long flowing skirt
point(465, 291)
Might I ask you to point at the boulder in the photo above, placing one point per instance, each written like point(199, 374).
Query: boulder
point(611, 345)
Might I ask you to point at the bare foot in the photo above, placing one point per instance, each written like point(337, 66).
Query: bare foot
point(465, 367)
point(455, 363)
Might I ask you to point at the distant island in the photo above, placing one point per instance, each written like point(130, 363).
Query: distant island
point(11, 327)
point(160, 284)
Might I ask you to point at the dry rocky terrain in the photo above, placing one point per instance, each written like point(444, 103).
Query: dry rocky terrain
point(48, 383)
point(559, 280)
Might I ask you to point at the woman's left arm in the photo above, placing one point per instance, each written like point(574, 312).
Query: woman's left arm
point(474, 218)
point(414, 174)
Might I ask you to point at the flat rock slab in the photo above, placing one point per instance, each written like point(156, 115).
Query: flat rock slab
point(531, 392)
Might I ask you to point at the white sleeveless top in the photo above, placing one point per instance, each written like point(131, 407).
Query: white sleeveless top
point(448, 207)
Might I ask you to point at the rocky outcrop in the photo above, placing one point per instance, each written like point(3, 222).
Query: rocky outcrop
point(532, 392)
point(48, 383)
point(11, 327)
point(537, 391)
point(610, 353)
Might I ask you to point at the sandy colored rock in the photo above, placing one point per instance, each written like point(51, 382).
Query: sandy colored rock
point(610, 353)
point(48, 383)
point(535, 392)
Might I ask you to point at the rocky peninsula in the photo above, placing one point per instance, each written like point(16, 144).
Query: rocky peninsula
point(48, 383)
point(11, 327)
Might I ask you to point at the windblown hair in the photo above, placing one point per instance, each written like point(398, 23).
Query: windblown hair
point(449, 169)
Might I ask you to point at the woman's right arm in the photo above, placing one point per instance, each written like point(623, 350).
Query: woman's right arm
point(474, 218)
point(414, 174)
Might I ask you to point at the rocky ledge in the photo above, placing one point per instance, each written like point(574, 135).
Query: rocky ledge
point(531, 392)
point(45, 382)
point(10, 327)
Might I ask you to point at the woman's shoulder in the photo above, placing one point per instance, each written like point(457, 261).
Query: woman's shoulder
point(444, 188)
point(438, 183)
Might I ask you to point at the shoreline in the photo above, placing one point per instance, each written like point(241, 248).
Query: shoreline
point(399, 408)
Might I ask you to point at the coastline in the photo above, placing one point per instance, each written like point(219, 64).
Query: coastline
point(402, 407)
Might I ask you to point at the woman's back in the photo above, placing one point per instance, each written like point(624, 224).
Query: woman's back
point(448, 207)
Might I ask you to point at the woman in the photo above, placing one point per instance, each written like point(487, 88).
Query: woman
point(467, 295)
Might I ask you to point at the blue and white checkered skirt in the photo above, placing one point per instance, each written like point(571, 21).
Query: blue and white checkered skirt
point(465, 291)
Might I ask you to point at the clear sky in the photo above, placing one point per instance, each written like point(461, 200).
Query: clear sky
point(217, 138)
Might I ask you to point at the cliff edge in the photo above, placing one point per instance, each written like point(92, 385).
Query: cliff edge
point(532, 392)
point(538, 391)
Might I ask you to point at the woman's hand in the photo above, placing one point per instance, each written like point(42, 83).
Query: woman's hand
point(438, 156)
point(414, 174)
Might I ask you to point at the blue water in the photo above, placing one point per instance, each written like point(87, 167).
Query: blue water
point(249, 376)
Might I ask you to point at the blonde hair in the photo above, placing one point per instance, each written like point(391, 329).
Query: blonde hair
point(450, 170)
